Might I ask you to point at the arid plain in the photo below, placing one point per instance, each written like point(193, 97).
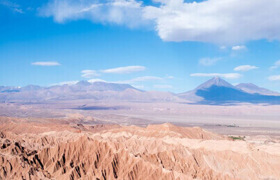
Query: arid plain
point(133, 140)
point(243, 119)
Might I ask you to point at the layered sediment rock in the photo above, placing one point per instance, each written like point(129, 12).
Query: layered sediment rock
point(113, 152)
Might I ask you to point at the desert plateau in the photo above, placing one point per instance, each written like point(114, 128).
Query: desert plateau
point(57, 149)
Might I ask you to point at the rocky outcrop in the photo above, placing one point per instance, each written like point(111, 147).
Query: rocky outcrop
point(156, 152)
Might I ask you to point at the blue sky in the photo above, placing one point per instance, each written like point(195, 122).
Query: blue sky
point(154, 45)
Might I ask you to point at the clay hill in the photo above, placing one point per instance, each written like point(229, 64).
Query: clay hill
point(55, 149)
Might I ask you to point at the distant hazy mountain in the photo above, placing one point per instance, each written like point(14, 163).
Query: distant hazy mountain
point(82, 90)
point(213, 91)
point(194, 97)
point(85, 86)
point(218, 91)
point(216, 81)
point(252, 89)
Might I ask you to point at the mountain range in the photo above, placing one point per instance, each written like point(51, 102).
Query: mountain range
point(213, 91)
point(219, 91)
point(82, 90)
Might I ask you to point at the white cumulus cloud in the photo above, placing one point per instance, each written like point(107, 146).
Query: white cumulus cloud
point(276, 65)
point(225, 75)
point(238, 48)
point(124, 70)
point(245, 68)
point(89, 73)
point(46, 63)
point(141, 79)
point(12, 6)
point(96, 80)
point(121, 12)
point(216, 21)
point(223, 22)
point(209, 61)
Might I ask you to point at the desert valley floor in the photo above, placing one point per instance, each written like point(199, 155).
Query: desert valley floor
point(110, 140)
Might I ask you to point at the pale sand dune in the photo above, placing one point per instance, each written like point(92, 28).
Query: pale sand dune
point(34, 150)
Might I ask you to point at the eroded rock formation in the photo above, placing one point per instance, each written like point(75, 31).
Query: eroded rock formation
point(114, 152)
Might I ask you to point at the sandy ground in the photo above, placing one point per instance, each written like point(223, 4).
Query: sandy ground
point(242, 119)
point(89, 140)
